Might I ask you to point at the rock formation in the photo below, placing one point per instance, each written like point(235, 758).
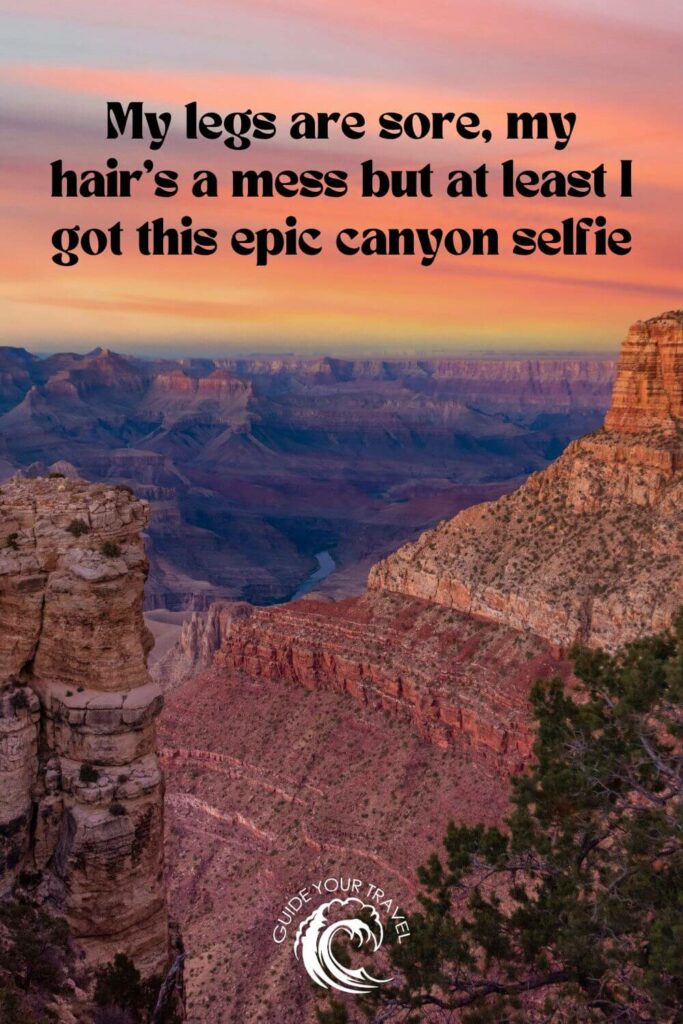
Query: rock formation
point(81, 794)
point(253, 466)
point(460, 681)
point(648, 392)
point(589, 549)
point(201, 636)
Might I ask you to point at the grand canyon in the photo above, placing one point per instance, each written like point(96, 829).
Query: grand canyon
point(357, 570)
point(253, 466)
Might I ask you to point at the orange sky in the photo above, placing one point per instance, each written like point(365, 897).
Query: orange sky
point(618, 68)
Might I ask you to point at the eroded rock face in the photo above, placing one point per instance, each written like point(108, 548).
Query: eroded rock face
point(81, 795)
point(591, 548)
point(460, 681)
point(200, 638)
point(649, 388)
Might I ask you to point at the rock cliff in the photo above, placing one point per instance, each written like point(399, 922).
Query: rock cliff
point(252, 466)
point(648, 392)
point(81, 795)
point(201, 636)
point(460, 681)
point(590, 548)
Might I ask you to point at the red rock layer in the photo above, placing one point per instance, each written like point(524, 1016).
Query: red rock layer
point(648, 391)
point(459, 680)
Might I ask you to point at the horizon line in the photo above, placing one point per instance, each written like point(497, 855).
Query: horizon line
point(175, 353)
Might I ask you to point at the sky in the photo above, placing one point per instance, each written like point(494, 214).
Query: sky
point(616, 64)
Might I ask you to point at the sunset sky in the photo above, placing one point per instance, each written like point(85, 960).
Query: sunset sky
point(616, 64)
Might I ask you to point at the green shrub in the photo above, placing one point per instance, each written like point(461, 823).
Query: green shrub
point(119, 985)
point(13, 856)
point(30, 879)
point(78, 527)
point(110, 549)
point(36, 956)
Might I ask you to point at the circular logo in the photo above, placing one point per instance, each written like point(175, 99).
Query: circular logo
point(316, 935)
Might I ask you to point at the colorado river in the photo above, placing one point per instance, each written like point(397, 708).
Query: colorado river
point(326, 565)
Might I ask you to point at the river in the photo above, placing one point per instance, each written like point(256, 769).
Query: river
point(326, 565)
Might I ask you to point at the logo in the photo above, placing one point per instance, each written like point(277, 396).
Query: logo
point(314, 946)
point(355, 915)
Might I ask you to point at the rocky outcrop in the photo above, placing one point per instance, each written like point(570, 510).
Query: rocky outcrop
point(589, 549)
point(201, 636)
point(81, 799)
point(648, 392)
point(460, 681)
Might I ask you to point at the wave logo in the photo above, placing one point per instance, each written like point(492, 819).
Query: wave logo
point(315, 936)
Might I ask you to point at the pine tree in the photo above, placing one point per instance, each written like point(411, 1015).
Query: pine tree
point(573, 912)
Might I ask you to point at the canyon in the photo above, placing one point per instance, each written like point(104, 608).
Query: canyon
point(586, 550)
point(253, 466)
point(342, 733)
point(337, 733)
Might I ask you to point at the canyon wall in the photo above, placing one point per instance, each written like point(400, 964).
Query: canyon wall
point(589, 549)
point(459, 680)
point(81, 800)
point(455, 627)
point(253, 466)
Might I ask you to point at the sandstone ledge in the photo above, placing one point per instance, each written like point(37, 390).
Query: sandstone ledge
point(460, 680)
